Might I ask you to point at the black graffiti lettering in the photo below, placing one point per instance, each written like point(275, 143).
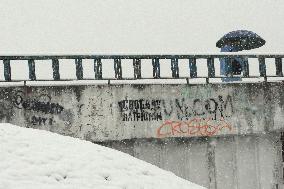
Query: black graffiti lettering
point(147, 104)
point(124, 117)
point(50, 121)
point(211, 106)
point(137, 104)
point(140, 110)
point(136, 116)
point(184, 109)
point(141, 104)
point(131, 105)
point(159, 116)
point(197, 107)
point(122, 105)
point(180, 106)
point(156, 104)
point(35, 120)
point(37, 105)
point(45, 107)
point(221, 106)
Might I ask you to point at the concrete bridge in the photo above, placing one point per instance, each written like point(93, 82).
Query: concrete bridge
point(219, 135)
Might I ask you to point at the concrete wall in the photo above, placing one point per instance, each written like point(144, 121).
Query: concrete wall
point(244, 162)
point(217, 135)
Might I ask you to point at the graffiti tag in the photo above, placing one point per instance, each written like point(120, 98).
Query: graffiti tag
point(140, 110)
point(35, 120)
point(40, 104)
point(181, 108)
point(193, 127)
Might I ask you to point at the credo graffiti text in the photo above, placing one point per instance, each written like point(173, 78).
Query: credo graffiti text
point(193, 127)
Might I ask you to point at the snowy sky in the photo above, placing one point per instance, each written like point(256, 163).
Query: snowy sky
point(134, 26)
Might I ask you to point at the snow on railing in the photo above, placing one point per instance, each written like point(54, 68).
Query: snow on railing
point(55, 59)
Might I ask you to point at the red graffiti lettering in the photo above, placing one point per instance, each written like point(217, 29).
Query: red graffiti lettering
point(193, 127)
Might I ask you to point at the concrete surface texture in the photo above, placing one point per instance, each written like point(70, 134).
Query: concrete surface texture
point(219, 136)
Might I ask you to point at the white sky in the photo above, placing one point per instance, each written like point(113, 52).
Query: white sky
point(134, 26)
point(131, 27)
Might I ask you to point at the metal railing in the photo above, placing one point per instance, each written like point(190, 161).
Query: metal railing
point(55, 60)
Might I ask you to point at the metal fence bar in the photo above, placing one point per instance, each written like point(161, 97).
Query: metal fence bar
point(7, 70)
point(98, 68)
point(156, 68)
point(246, 68)
point(137, 68)
point(117, 69)
point(79, 69)
point(192, 67)
point(230, 67)
point(32, 74)
point(211, 67)
point(174, 68)
point(262, 67)
point(55, 69)
point(278, 65)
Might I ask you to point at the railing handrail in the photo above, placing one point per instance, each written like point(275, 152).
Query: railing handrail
point(141, 56)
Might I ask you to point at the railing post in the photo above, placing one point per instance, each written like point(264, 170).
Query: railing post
point(211, 67)
point(79, 69)
point(32, 74)
point(192, 67)
point(117, 69)
point(246, 68)
point(137, 68)
point(7, 70)
point(174, 68)
point(156, 68)
point(262, 67)
point(230, 67)
point(55, 69)
point(98, 68)
point(278, 65)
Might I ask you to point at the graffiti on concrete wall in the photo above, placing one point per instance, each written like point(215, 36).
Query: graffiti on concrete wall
point(181, 116)
point(41, 105)
point(193, 127)
point(38, 120)
point(140, 110)
point(197, 117)
point(182, 109)
point(185, 109)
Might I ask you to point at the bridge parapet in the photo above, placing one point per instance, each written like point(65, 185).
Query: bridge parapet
point(117, 112)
